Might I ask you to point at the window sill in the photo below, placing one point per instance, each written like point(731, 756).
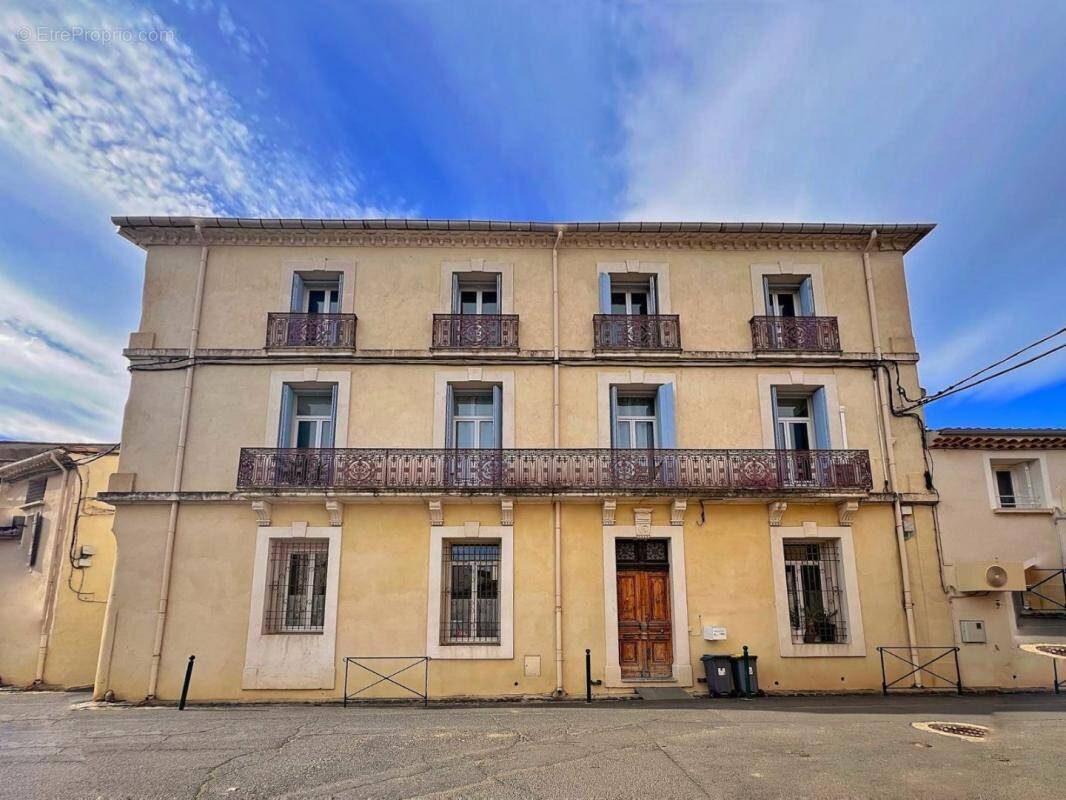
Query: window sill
point(293, 633)
point(847, 650)
point(1008, 511)
point(31, 506)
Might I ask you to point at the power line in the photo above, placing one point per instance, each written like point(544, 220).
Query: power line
point(956, 387)
point(1002, 361)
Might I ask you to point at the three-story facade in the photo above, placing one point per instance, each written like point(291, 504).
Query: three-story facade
point(501, 444)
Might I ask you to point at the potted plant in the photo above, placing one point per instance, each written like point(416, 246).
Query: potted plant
point(819, 626)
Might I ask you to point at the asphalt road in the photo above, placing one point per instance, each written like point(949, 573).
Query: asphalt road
point(829, 747)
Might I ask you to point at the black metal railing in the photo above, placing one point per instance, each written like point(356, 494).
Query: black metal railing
point(310, 330)
point(913, 658)
point(1047, 592)
point(356, 664)
point(803, 334)
point(14, 530)
point(636, 332)
point(475, 332)
point(722, 472)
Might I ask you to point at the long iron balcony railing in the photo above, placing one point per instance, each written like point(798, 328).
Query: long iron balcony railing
point(636, 332)
point(804, 334)
point(310, 331)
point(475, 332)
point(533, 471)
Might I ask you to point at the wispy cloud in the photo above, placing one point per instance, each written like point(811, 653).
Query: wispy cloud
point(140, 127)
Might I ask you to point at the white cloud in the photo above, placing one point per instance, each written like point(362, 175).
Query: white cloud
point(130, 127)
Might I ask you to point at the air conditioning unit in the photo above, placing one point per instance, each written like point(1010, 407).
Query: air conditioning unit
point(990, 576)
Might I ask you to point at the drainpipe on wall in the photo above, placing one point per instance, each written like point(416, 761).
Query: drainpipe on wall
point(54, 568)
point(890, 453)
point(557, 510)
point(179, 464)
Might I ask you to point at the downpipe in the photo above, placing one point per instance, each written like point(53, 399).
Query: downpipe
point(54, 568)
point(179, 465)
point(557, 510)
point(889, 450)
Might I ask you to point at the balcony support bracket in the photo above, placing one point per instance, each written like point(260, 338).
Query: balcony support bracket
point(507, 511)
point(677, 511)
point(336, 512)
point(436, 511)
point(609, 508)
point(846, 512)
point(776, 510)
point(262, 510)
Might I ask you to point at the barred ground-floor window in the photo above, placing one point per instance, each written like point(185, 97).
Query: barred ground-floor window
point(817, 611)
point(296, 586)
point(470, 593)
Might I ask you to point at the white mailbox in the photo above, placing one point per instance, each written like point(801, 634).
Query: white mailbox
point(713, 633)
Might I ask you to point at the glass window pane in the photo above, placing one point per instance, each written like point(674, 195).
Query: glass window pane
point(305, 433)
point(461, 583)
point(1005, 485)
point(316, 301)
point(487, 435)
point(801, 439)
point(326, 434)
point(636, 406)
point(792, 407)
point(645, 434)
point(622, 435)
point(471, 404)
point(618, 302)
point(489, 304)
point(786, 302)
point(464, 434)
point(468, 302)
point(640, 302)
point(314, 405)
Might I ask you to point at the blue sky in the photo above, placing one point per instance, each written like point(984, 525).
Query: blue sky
point(950, 112)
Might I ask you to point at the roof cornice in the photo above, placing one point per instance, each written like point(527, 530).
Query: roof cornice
point(999, 439)
point(151, 231)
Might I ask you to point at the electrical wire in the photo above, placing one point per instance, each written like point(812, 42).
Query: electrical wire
point(1049, 337)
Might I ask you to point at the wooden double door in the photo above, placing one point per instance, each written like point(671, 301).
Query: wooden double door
point(645, 631)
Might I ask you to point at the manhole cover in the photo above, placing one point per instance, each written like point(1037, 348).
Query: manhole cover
point(961, 730)
point(1053, 650)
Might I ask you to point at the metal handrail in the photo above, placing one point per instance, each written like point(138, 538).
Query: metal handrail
point(721, 472)
point(327, 331)
point(636, 332)
point(801, 334)
point(475, 332)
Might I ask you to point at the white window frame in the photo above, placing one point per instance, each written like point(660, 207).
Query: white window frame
point(633, 377)
point(780, 269)
point(800, 381)
point(849, 581)
point(504, 268)
point(661, 272)
point(479, 285)
point(308, 375)
point(1031, 468)
point(318, 270)
point(775, 302)
point(330, 286)
point(632, 420)
point(318, 420)
point(477, 420)
point(786, 424)
point(441, 379)
point(471, 532)
point(632, 287)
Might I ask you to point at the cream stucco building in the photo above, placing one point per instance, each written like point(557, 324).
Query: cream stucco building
point(501, 444)
point(57, 554)
point(1002, 494)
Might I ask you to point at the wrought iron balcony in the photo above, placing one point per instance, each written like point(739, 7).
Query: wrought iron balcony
point(334, 331)
point(533, 471)
point(636, 332)
point(801, 334)
point(475, 332)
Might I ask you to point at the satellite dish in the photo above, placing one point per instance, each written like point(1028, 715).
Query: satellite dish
point(996, 576)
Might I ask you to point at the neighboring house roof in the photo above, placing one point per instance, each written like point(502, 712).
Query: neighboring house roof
point(999, 439)
point(894, 236)
point(21, 459)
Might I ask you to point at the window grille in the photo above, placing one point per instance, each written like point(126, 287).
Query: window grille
point(35, 490)
point(815, 594)
point(470, 593)
point(296, 592)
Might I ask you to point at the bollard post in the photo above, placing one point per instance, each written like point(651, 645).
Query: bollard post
point(185, 686)
point(747, 674)
point(588, 675)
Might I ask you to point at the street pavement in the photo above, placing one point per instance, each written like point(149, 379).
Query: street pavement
point(51, 746)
